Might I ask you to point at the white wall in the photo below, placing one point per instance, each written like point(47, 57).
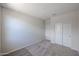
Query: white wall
point(33, 30)
point(67, 18)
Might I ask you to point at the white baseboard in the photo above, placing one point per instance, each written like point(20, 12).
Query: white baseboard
point(4, 53)
point(75, 49)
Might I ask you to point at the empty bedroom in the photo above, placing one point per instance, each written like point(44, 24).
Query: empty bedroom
point(39, 29)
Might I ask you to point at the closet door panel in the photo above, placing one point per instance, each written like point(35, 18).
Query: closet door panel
point(67, 35)
point(58, 33)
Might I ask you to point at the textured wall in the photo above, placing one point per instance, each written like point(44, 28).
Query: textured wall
point(21, 30)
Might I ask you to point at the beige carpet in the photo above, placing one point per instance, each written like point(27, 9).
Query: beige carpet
point(45, 48)
point(21, 52)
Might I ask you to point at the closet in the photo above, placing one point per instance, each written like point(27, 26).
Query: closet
point(63, 34)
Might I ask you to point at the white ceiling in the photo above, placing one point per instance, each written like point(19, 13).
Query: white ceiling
point(43, 10)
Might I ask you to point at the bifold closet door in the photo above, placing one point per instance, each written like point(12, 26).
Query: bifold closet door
point(63, 34)
point(58, 33)
point(67, 35)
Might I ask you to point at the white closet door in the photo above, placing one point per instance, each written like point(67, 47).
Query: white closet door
point(58, 33)
point(67, 35)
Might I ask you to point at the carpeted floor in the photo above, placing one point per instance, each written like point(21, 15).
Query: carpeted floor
point(45, 48)
point(21, 52)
